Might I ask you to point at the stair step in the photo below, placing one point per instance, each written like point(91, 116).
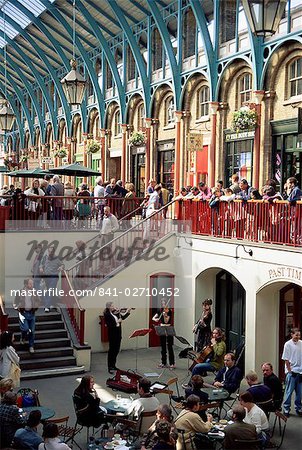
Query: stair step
point(45, 343)
point(40, 316)
point(48, 325)
point(29, 364)
point(45, 353)
point(51, 372)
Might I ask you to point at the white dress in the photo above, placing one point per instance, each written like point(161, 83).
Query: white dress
point(8, 355)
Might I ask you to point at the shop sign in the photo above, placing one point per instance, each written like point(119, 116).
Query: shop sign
point(285, 272)
point(241, 135)
point(46, 160)
point(138, 150)
point(195, 142)
point(33, 163)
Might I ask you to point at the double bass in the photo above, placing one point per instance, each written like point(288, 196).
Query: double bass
point(201, 357)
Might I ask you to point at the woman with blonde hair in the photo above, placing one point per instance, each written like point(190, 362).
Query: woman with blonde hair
point(34, 204)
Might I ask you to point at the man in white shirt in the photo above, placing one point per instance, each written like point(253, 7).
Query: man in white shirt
point(98, 194)
point(146, 403)
point(109, 226)
point(292, 356)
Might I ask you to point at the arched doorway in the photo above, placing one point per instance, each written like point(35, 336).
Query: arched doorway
point(290, 316)
point(230, 308)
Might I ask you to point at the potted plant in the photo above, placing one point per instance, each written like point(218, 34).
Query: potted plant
point(137, 138)
point(244, 119)
point(60, 153)
point(93, 147)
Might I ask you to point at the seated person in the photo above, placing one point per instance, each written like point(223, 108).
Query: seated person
point(146, 403)
point(150, 438)
point(51, 440)
point(229, 377)
point(259, 391)
point(6, 384)
point(215, 361)
point(165, 441)
point(239, 430)
point(10, 418)
point(255, 416)
point(196, 384)
point(28, 437)
point(87, 403)
point(272, 381)
point(191, 423)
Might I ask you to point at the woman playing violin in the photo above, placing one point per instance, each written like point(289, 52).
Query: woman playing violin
point(113, 320)
point(203, 326)
point(164, 318)
point(215, 362)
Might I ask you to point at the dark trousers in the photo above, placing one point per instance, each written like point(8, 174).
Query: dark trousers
point(115, 337)
point(164, 341)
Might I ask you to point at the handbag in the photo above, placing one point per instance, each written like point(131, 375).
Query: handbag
point(14, 374)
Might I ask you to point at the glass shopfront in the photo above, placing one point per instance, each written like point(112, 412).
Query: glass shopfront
point(239, 156)
point(138, 161)
point(287, 158)
point(166, 165)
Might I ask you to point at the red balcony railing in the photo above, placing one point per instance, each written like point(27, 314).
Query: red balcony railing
point(258, 221)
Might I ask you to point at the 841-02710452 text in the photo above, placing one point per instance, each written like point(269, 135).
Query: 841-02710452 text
point(139, 292)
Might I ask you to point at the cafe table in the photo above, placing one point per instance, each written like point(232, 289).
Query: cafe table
point(46, 413)
point(118, 406)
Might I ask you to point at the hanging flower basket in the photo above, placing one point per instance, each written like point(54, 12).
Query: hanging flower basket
point(60, 153)
point(245, 119)
point(137, 138)
point(93, 147)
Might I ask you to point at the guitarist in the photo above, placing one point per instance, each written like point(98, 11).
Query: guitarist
point(215, 361)
point(164, 318)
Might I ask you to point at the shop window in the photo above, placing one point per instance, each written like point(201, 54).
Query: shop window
point(130, 64)
point(203, 102)
point(140, 117)
point(244, 88)
point(117, 123)
point(157, 51)
point(118, 57)
point(295, 77)
point(189, 33)
point(169, 111)
point(239, 160)
point(109, 81)
point(99, 72)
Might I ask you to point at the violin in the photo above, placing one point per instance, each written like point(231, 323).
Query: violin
point(122, 310)
point(202, 356)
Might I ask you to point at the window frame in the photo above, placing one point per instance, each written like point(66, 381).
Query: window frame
point(117, 129)
point(169, 111)
point(203, 107)
point(295, 79)
point(245, 94)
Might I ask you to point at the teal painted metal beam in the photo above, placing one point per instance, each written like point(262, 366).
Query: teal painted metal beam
point(136, 53)
point(124, 12)
point(38, 78)
point(89, 66)
point(140, 7)
point(257, 58)
point(28, 88)
point(16, 112)
point(209, 51)
point(109, 56)
point(175, 72)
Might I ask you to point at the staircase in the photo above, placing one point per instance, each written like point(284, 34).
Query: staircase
point(53, 349)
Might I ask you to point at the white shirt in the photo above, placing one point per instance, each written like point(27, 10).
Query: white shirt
point(99, 191)
point(109, 224)
point(153, 202)
point(53, 444)
point(292, 352)
point(256, 416)
point(146, 404)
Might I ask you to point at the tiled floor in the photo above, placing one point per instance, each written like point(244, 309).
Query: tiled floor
point(56, 393)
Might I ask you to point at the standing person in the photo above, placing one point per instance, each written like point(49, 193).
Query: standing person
point(215, 361)
point(203, 326)
point(34, 204)
point(57, 190)
point(28, 437)
point(151, 186)
point(109, 226)
point(50, 267)
point(27, 304)
point(164, 317)
point(99, 194)
point(292, 356)
point(294, 193)
point(235, 184)
point(68, 202)
point(113, 320)
point(165, 198)
point(272, 381)
point(9, 360)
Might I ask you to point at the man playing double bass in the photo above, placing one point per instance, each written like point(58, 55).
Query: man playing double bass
point(164, 317)
point(215, 360)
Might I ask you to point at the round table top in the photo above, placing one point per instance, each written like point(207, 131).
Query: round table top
point(118, 406)
point(216, 394)
point(46, 413)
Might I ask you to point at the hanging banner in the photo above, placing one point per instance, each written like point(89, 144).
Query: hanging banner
point(195, 142)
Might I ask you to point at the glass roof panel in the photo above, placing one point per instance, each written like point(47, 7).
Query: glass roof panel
point(10, 9)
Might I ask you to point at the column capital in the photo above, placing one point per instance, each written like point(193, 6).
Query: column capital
point(223, 106)
point(103, 132)
point(258, 96)
point(124, 128)
point(214, 106)
point(178, 116)
point(69, 140)
point(187, 114)
point(148, 122)
point(155, 122)
point(269, 95)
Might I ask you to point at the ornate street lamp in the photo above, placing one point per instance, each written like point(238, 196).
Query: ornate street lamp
point(74, 84)
point(264, 16)
point(7, 117)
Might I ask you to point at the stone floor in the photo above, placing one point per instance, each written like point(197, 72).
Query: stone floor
point(56, 393)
